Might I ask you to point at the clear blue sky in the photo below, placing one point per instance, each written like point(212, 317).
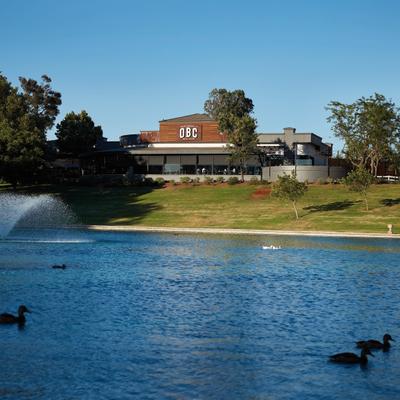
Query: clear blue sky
point(132, 63)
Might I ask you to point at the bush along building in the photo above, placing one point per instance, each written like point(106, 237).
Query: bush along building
point(192, 145)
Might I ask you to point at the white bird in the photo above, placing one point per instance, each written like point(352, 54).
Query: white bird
point(272, 247)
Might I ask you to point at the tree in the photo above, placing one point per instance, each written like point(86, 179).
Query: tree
point(243, 142)
point(77, 133)
point(394, 160)
point(232, 111)
point(359, 180)
point(24, 120)
point(370, 128)
point(42, 101)
point(288, 188)
point(222, 103)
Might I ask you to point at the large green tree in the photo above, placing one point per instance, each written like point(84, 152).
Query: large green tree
point(77, 133)
point(25, 116)
point(43, 102)
point(369, 127)
point(232, 110)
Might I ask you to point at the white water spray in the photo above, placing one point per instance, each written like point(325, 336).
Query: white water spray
point(32, 211)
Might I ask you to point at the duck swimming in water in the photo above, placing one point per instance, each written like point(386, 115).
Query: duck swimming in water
point(12, 319)
point(56, 266)
point(376, 344)
point(351, 358)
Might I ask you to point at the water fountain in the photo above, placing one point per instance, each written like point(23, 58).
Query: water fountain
point(32, 211)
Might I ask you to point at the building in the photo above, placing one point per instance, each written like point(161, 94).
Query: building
point(193, 145)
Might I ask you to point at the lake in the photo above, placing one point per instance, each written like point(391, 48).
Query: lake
point(170, 316)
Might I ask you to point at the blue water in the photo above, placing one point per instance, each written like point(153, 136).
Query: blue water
point(162, 316)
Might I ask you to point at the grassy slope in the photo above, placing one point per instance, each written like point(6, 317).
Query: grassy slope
point(326, 207)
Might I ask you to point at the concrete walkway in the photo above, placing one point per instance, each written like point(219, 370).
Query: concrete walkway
point(136, 228)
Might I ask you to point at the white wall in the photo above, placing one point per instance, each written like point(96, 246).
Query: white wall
point(310, 173)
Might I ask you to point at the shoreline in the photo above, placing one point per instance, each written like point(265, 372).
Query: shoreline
point(231, 231)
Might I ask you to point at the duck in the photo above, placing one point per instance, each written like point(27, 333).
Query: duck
point(376, 344)
point(12, 319)
point(56, 266)
point(351, 358)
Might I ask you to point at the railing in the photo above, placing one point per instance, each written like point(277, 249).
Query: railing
point(388, 178)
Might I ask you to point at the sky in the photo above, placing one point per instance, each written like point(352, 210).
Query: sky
point(132, 63)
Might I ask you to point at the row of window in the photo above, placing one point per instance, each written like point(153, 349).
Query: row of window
point(180, 164)
point(202, 169)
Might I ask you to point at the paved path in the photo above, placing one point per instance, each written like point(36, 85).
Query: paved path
point(137, 228)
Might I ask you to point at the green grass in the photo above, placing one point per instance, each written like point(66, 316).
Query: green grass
point(323, 208)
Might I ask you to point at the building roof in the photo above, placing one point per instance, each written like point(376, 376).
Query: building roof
point(296, 137)
point(190, 118)
point(105, 145)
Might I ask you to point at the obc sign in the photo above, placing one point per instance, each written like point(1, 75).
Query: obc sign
point(189, 132)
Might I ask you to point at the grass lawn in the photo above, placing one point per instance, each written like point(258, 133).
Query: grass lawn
point(323, 208)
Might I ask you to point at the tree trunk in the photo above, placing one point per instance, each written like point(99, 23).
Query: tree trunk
point(372, 166)
point(366, 202)
point(295, 209)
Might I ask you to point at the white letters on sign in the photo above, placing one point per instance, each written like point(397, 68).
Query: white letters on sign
point(188, 132)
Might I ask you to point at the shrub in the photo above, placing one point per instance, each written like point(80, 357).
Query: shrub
point(208, 180)
point(320, 181)
point(160, 181)
point(196, 181)
point(173, 182)
point(254, 181)
point(220, 179)
point(148, 182)
point(330, 180)
point(126, 181)
point(233, 180)
point(136, 179)
point(185, 179)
